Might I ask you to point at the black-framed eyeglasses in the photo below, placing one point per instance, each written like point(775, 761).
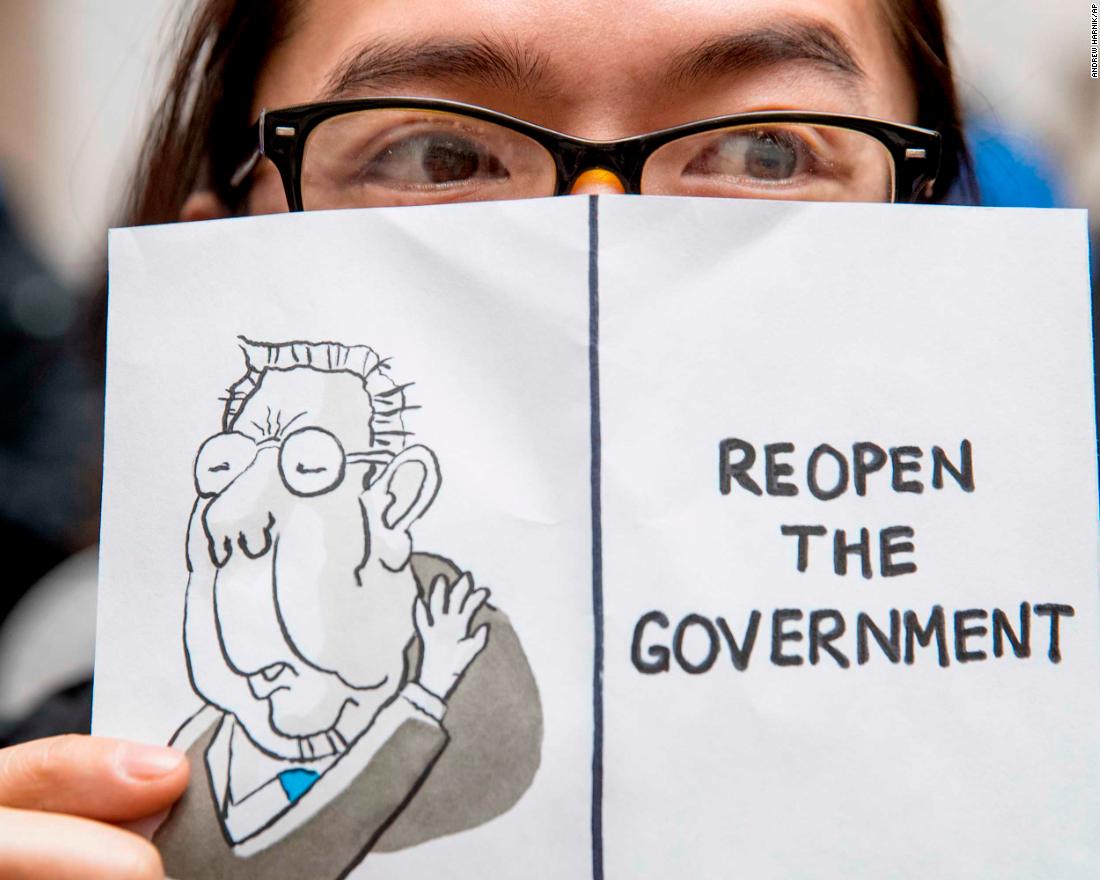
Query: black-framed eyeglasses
point(408, 151)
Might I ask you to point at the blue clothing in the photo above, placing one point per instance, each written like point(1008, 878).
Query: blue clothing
point(1013, 171)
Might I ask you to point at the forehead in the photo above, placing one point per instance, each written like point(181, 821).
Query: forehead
point(603, 65)
point(287, 400)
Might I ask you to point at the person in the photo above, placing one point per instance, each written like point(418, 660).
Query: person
point(595, 72)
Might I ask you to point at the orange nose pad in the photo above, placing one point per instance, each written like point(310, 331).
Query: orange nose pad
point(597, 181)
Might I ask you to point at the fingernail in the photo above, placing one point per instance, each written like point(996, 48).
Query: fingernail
point(147, 762)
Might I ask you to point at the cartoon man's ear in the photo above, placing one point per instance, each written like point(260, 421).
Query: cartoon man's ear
point(398, 497)
point(406, 488)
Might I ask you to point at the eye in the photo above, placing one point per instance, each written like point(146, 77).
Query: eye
point(772, 157)
point(756, 155)
point(311, 462)
point(432, 159)
point(221, 459)
point(413, 156)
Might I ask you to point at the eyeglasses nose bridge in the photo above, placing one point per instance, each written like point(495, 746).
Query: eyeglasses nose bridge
point(579, 159)
point(593, 181)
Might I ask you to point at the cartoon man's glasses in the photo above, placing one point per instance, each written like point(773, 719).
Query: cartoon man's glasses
point(311, 461)
point(412, 151)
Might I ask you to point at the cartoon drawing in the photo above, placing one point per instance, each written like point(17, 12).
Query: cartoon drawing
point(358, 696)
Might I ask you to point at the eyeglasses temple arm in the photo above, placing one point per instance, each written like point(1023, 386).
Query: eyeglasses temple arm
point(256, 136)
point(375, 456)
point(249, 165)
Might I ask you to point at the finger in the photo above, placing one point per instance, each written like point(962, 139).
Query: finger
point(476, 643)
point(92, 776)
point(473, 602)
point(437, 597)
point(459, 590)
point(463, 587)
point(421, 616)
point(433, 585)
point(70, 848)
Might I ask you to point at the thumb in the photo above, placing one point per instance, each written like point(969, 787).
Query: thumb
point(94, 777)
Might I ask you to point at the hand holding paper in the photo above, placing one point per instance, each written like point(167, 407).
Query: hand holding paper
point(59, 798)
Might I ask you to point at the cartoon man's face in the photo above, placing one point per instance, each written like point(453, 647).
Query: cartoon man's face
point(300, 603)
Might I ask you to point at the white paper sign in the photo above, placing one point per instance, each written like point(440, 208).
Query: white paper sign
point(780, 526)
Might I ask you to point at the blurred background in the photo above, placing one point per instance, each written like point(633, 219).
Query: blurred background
point(79, 79)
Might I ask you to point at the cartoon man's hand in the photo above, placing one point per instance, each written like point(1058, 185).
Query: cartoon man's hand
point(443, 620)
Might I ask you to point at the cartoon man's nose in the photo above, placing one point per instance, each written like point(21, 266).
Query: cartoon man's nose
point(240, 518)
point(251, 535)
point(255, 540)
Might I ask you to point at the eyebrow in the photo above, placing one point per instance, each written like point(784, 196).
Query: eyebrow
point(813, 43)
point(380, 63)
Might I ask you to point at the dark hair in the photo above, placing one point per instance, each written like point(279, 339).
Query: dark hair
point(190, 145)
point(193, 140)
point(918, 29)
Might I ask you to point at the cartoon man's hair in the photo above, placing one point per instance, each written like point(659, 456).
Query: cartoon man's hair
point(387, 398)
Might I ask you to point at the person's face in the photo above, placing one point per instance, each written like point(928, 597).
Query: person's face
point(307, 614)
point(603, 69)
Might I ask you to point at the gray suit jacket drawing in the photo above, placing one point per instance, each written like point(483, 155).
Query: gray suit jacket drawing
point(424, 781)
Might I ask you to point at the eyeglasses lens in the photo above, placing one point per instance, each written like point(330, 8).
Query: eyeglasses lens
point(774, 161)
point(416, 157)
